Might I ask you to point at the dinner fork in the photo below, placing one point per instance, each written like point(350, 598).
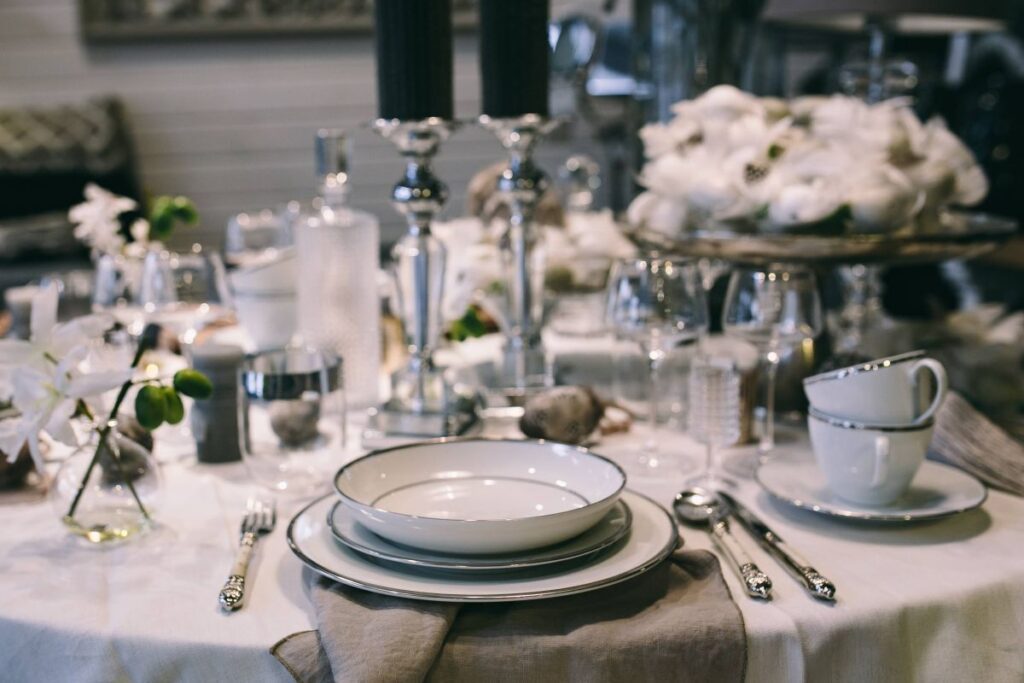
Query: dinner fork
point(259, 520)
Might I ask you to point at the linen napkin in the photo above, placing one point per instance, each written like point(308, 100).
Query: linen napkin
point(967, 439)
point(676, 622)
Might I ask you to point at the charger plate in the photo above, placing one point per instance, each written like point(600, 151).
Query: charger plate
point(937, 491)
point(651, 539)
point(606, 533)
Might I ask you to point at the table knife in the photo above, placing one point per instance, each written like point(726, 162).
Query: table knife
point(812, 580)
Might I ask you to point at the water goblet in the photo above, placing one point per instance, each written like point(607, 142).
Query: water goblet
point(658, 303)
point(773, 308)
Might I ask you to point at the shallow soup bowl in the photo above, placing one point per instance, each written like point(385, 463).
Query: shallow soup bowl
point(480, 496)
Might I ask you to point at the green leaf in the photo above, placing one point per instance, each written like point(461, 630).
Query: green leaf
point(193, 383)
point(161, 225)
point(174, 411)
point(184, 210)
point(150, 406)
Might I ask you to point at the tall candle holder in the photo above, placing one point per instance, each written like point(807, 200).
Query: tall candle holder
point(522, 184)
point(422, 402)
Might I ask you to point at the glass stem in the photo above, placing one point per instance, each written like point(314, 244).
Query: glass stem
point(653, 363)
point(767, 441)
point(710, 475)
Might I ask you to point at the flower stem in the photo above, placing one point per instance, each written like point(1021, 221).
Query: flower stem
point(104, 433)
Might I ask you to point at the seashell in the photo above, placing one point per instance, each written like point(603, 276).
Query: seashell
point(295, 422)
point(565, 414)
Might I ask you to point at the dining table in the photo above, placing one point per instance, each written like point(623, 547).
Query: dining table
point(937, 601)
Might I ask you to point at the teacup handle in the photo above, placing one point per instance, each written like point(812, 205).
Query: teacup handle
point(941, 386)
point(881, 472)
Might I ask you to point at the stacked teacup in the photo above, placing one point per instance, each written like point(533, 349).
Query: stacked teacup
point(871, 424)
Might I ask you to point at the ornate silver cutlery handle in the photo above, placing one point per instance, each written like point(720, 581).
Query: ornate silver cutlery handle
point(815, 583)
point(233, 592)
point(755, 582)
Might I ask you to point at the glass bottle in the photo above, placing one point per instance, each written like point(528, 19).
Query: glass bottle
point(338, 249)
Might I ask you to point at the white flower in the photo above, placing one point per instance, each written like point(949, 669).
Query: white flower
point(666, 138)
point(597, 234)
point(884, 199)
point(45, 378)
point(49, 341)
point(666, 215)
point(666, 175)
point(722, 102)
point(969, 182)
point(800, 161)
point(803, 203)
point(96, 221)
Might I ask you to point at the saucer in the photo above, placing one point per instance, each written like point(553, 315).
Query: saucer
point(604, 534)
point(937, 491)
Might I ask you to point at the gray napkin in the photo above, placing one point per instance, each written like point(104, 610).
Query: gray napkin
point(967, 439)
point(677, 622)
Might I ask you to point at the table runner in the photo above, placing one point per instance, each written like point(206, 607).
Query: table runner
point(677, 622)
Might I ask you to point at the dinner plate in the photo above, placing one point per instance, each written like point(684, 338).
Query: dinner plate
point(937, 491)
point(651, 539)
point(604, 534)
point(477, 496)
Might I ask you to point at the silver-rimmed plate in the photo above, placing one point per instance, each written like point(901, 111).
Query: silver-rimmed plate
point(652, 538)
point(937, 491)
point(606, 533)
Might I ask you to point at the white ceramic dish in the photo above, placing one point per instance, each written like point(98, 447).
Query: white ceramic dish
point(480, 496)
point(606, 533)
point(937, 491)
point(651, 539)
point(867, 464)
point(887, 391)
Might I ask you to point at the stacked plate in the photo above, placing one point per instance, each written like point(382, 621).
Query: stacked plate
point(478, 520)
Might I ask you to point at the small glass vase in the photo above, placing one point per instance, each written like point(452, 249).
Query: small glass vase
point(114, 498)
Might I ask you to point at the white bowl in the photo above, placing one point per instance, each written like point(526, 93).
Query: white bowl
point(475, 496)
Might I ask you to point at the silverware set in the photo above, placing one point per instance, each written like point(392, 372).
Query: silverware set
point(712, 510)
point(259, 519)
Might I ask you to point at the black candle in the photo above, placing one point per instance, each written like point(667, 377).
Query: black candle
point(414, 59)
point(514, 57)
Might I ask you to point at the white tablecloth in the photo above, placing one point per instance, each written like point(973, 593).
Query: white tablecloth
point(940, 602)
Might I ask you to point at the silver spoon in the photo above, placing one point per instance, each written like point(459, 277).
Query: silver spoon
point(699, 507)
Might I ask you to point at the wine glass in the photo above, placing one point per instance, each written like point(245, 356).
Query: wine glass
point(184, 291)
point(774, 308)
point(658, 303)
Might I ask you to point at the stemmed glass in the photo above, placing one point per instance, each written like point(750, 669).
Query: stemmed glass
point(773, 308)
point(658, 303)
point(183, 291)
point(714, 413)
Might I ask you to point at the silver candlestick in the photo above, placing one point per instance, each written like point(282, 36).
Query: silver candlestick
point(522, 184)
point(421, 403)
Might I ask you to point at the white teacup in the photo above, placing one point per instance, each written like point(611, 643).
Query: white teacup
point(868, 464)
point(887, 391)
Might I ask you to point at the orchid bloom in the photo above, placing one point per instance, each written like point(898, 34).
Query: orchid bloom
point(44, 377)
point(96, 219)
